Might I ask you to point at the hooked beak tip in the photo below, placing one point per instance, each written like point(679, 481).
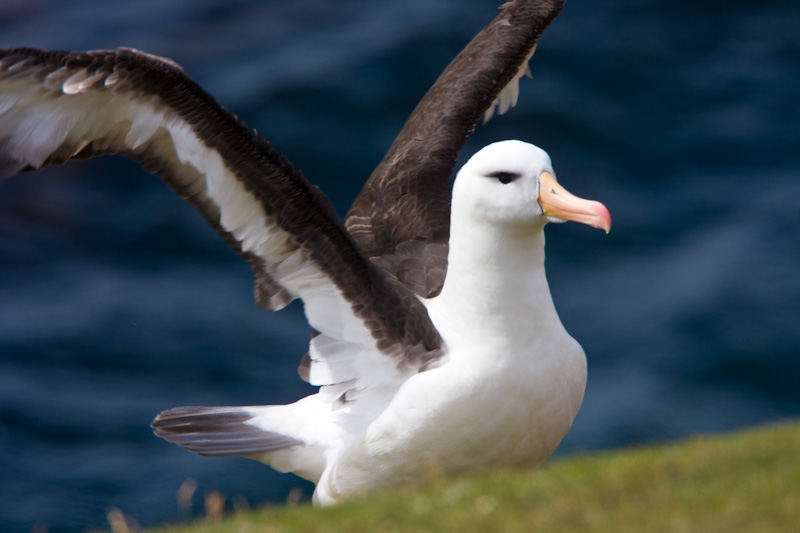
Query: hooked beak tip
point(559, 203)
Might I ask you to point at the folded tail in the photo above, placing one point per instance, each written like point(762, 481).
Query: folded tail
point(219, 431)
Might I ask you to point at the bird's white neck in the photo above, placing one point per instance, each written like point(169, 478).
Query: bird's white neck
point(495, 286)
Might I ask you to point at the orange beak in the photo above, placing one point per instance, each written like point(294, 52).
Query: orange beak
point(559, 203)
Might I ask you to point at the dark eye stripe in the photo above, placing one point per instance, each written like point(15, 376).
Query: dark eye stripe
point(504, 177)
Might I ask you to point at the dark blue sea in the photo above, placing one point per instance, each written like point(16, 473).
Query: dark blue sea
point(117, 301)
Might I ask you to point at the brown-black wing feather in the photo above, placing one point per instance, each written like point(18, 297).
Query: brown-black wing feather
point(57, 106)
point(401, 218)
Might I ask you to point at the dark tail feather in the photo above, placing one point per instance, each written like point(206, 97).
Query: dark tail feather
point(218, 431)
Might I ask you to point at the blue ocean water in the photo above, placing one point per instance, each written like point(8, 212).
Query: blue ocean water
point(117, 301)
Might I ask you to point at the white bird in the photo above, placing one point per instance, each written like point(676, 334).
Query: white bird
point(435, 342)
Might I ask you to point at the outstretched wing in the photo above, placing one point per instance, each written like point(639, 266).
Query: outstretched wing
point(57, 106)
point(401, 218)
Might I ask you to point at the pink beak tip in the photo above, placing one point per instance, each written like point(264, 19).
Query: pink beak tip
point(603, 216)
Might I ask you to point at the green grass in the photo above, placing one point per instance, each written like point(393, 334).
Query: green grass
point(748, 481)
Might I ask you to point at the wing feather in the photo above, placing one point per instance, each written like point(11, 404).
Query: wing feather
point(401, 218)
point(56, 106)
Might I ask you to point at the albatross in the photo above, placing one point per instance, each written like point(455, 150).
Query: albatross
point(435, 342)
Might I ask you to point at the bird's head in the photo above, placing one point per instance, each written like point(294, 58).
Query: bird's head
point(512, 183)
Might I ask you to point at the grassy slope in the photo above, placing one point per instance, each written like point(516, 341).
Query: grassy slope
point(748, 481)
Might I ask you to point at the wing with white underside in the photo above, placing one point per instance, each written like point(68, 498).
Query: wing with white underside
point(57, 106)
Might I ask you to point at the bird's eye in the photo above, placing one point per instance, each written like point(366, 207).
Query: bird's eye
point(504, 177)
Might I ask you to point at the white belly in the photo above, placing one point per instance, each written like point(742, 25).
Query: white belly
point(465, 416)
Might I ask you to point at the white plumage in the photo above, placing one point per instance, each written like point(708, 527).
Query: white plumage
point(425, 359)
point(509, 384)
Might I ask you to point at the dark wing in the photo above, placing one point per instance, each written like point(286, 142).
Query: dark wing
point(57, 106)
point(401, 218)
